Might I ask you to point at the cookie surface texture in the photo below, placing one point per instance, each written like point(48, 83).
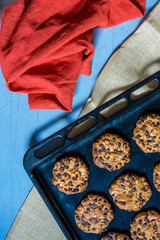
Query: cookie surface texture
point(147, 133)
point(130, 192)
point(93, 214)
point(70, 175)
point(156, 176)
point(115, 236)
point(146, 225)
point(111, 152)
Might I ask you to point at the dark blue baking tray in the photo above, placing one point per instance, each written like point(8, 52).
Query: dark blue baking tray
point(39, 165)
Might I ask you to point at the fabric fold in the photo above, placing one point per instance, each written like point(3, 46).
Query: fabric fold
point(45, 45)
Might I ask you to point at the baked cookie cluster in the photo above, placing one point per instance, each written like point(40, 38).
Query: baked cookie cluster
point(129, 191)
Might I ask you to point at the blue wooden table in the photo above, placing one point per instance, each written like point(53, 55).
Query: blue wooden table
point(21, 128)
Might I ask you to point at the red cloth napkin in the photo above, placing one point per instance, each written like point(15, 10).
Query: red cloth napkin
point(46, 44)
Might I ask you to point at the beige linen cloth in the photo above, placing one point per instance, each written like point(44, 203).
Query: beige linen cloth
point(136, 59)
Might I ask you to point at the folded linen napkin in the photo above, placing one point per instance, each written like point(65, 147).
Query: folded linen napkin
point(45, 45)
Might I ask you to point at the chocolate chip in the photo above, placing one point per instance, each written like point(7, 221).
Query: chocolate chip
point(138, 136)
point(86, 198)
point(133, 221)
point(140, 221)
point(122, 186)
point(124, 238)
point(158, 235)
point(156, 176)
point(105, 221)
point(130, 185)
point(132, 180)
point(58, 176)
point(120, 152)
point(134, 233)
point(140, 196)
point(155, 226)
point(76, 165)
point(113, 139)
point(144, 189)
point(137, 238)
point(101, 207)
point(145, 225)
point(129, 176)
point(87, 210)
point(144, 126)
point(75, 190)
point(147, 133)
point(138, 230)
point(105, 215)
point(122, 203)
point(77, 218)
point(93, 229)
point(156, 145)
point(95, 150)
point(119, 144)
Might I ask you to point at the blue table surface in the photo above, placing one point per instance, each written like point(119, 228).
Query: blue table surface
point(21, 128)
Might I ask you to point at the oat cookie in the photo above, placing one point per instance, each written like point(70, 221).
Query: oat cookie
point(93, 214)
point(156, 176)
point(146, 225)
point(110, 151)
point(130, 192)
point(115, 236)
point(147, 133)
point(70, 175)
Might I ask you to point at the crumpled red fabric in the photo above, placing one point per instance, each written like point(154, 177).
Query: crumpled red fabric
point(46, 44)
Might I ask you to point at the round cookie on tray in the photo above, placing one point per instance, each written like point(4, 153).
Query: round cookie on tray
point(156, 176)
point(111, 152)
point(147, 133)
point(130, 192)
point(146, 225)
point(93, 214)
point(114, 236)
point(70, 175)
